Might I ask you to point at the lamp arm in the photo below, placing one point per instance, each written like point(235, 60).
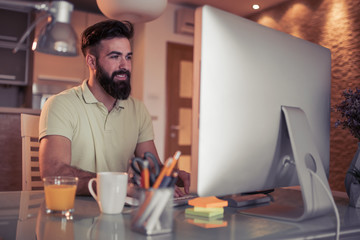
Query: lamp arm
point(28, 31)
point(25, 5)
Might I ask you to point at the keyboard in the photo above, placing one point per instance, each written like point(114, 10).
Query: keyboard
point(178, 201)
point(183, 200)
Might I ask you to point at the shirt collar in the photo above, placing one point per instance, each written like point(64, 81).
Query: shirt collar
point(87, 94)
point(119, 105)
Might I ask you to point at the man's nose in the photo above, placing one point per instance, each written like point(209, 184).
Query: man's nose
point(123, 63)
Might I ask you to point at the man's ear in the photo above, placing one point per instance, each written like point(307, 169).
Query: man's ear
point(91, 61)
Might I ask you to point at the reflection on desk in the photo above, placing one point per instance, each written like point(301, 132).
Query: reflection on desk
point(22, 216)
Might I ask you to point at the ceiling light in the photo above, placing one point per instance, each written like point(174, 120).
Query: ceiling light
point(255, 6)
point(132, 10)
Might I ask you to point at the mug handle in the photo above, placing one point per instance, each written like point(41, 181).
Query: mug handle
point(91, 190)
point(91, 228)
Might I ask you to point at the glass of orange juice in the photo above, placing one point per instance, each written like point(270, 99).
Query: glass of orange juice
point(60, 194)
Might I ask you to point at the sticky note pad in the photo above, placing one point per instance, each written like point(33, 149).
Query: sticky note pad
point(207, 202)
point(208, 224)
point(191, 211)
point(202, 209)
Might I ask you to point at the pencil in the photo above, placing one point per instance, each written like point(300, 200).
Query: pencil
point(162, 173)
point(175, 159)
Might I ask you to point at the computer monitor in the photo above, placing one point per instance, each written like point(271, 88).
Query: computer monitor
point(261, 110)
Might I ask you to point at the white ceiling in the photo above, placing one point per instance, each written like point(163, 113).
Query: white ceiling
point(239, 7)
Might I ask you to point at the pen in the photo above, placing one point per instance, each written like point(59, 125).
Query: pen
point(167, 179)
point(173, 179)
point(145, 175)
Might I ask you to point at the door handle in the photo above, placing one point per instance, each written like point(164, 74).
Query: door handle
point(175, 127)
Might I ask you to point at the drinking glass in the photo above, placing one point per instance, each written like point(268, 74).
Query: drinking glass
point(60, 194)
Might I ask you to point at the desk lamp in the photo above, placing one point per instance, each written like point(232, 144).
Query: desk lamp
point(57, 37)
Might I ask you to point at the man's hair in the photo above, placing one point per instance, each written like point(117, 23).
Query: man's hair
point(107, 29)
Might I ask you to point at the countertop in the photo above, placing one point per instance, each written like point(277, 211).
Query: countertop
point(19, 110)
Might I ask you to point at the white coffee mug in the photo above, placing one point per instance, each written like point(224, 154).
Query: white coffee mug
point(107, 226)
point(111, 190)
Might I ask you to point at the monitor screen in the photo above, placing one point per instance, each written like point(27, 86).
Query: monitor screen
point(244, 74)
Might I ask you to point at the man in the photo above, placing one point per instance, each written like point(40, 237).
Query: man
point(97, 126)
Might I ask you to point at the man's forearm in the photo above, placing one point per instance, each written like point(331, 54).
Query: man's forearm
point(83, 176)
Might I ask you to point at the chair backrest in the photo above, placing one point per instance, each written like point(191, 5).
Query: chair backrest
point(31, 179)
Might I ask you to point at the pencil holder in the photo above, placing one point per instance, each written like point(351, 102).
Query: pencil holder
point(154, 214)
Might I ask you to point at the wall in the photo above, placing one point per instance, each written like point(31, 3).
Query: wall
point(150, 53)
point(334, 24)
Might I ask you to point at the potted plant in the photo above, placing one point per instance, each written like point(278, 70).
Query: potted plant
point(349, 110)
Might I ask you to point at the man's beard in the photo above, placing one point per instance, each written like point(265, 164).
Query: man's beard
point(116, 89)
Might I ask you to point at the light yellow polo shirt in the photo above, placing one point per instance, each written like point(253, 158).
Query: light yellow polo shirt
point(100, 140)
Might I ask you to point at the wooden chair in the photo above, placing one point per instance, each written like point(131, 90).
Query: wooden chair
point(31, 179)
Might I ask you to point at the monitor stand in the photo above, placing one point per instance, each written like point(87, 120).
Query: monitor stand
point(316, 201)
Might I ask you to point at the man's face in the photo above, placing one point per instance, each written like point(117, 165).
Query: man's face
point(113, 67)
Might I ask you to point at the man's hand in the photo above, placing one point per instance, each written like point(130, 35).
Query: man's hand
point(184, 181)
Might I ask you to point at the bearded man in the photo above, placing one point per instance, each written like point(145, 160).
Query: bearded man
point(98, 126)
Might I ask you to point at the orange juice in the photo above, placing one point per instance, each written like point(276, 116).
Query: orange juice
point(60, 197)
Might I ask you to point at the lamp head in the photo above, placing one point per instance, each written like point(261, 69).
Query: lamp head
point(57, 37)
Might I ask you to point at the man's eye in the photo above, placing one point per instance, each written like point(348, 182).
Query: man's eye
point(128, 57)
point(114, 56)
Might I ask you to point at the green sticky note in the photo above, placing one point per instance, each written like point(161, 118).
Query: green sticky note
point(202, 209)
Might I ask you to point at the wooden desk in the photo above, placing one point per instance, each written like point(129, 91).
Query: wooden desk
point(19, 221)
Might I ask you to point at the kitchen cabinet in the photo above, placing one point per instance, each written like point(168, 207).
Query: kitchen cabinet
point(14, 67)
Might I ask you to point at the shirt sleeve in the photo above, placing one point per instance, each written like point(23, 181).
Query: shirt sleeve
point(57, 118)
